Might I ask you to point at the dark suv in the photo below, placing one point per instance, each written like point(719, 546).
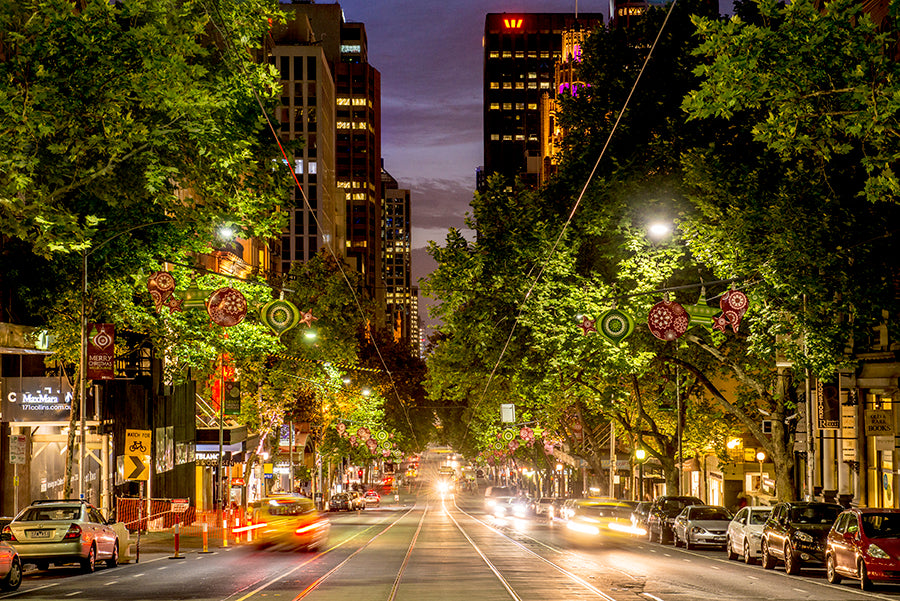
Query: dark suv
point(662, 515)
point(796, 533)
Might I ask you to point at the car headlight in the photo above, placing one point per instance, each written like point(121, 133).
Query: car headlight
point(804, 537)
point(698, 530)
point(877, 552)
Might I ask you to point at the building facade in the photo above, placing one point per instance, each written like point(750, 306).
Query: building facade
point(401, 299)
point(520, 55)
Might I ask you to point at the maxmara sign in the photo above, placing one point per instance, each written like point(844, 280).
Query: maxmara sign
point(35, 399)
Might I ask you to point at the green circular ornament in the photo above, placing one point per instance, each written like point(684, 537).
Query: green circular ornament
point(386, 444)
point(508, 435)
point(615, 325)
point(498, 445)
point(280, 315)
point(381, 435)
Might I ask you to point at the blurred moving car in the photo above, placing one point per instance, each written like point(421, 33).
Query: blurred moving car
point(701, 525)
point(341, 502)
point(543, 507)
point(502, 507)
point(745, 533)
point(288, 520)
point(796, 532)
point(61, 532)
point(10, 567)
point(661, 517)
point(493, 494)
point(864, 544)
point(372, 498)
point(357, 501)
point(597, 521)
point(639, 517)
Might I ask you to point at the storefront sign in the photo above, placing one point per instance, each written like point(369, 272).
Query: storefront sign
point(35, 399)
point(101, 351)
point(17, 449)
point(828, 405)
point(879, 422)
point(848, 433)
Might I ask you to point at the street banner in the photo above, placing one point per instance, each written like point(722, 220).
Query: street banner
point(101, 351)
point(232, 398)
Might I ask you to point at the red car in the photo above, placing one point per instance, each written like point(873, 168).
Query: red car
point(372, 498)
point(864, 544)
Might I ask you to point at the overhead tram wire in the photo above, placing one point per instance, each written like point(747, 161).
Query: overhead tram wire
point(338, 260)
point(571, 214)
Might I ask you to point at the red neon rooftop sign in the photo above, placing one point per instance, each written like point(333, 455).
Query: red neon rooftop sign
point(512, 23)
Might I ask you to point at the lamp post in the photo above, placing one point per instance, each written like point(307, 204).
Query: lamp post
point(760, 456)
point(640, 454)
point(82, 389)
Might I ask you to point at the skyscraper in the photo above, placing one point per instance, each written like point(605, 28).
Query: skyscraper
point(401, 298)
point(520, 53)
point(350, 107)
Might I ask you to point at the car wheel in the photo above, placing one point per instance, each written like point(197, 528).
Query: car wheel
point(748, 559)
point(729, 551)
point(864, 582)
point(89, 564)
point(791, 561)
point(768, 562)
point(113, 561)
point(13, 577)
point(830, 573)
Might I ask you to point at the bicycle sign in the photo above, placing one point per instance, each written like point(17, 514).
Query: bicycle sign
point(137, 442)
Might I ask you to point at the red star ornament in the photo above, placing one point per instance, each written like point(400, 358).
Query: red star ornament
point(587, 325)
point(307, 318)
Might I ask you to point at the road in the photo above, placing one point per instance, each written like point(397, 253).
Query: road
point(443, 549)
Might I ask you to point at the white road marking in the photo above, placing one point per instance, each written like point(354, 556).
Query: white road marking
point(110, 582)
point(72, 594)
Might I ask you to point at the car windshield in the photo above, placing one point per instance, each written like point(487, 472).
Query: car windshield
point(678, 504)
point(759, 517)
point(881, 525)
point(814, 515)
point(290, 507)
point(710, 513)
point(47, 514)
point(604, 511)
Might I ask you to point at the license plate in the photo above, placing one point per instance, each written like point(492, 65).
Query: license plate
point(40, 533)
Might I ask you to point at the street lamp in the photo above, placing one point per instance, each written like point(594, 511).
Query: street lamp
point(640, 455)
point(760, 456)
point(82, 389)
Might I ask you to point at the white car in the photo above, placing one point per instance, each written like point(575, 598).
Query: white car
point(745, 533)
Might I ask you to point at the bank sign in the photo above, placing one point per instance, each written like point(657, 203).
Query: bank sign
point(35, 399)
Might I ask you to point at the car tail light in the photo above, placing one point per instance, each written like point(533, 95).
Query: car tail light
point(8, 534)
point(74, 531)
point(309, 527)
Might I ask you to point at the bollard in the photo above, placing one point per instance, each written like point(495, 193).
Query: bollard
point(225, 526)
point(177, 541)
point(205, 537)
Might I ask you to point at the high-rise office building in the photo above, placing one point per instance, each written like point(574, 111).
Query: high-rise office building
point(520, 55)
point(401, 298)
point(307, 113)
point(354, 111)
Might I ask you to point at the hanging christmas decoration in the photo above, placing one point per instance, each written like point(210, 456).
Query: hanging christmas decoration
point(194, 298)
point(616, 325)
point(513, 445)
point(372, 445)
point(385, 453)
point(161, 286)
point(508, 435)
point(280, 315)
point(701, 314)
point(734, 304)
point(498, 445)
point(381, 436)
point(526, 433)
point(341, 428)
point(587, 325)
point(387, 444)
point(548, 448)
point(667, 320)
point(364, 434)
point(226, 307)
point(353, 440)
point(307, 318)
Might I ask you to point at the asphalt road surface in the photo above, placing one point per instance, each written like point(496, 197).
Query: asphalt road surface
point(443, 549)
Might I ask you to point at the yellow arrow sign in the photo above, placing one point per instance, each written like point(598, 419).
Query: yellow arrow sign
point(137, 467)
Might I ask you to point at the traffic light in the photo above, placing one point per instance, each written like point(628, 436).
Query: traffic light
point(359, 473)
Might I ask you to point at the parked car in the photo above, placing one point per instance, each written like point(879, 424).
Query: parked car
point(341, 502)
point(357, 500)
point(745, 533)
point(639, 517)
point(61, 532)
point(289, 520)
point(662, 515)
point(10, 567)
point(372, 498)
point(701, 525)
point(795, 533)
point(864, 544)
